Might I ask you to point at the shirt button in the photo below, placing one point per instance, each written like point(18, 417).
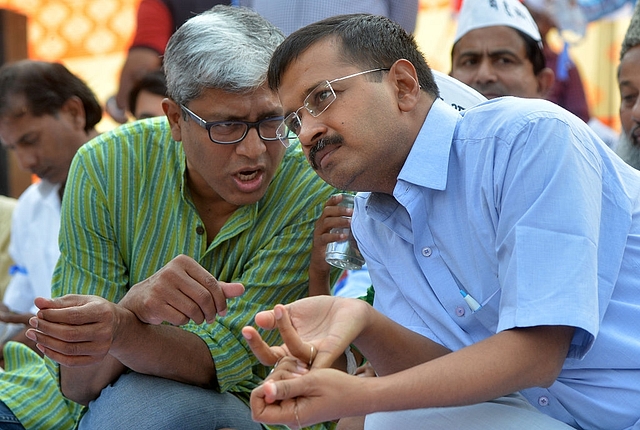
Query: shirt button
point(426, 251)
point(460, 311)
point(543, 401)
point(200, 230)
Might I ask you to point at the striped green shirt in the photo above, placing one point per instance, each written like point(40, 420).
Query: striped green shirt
point(27, 388)
point(126, 212)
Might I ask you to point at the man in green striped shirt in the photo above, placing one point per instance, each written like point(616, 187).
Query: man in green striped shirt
point(198, 220)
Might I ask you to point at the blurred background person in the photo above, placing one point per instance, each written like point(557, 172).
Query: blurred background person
point(46, 114)
point(7, 204)
point(145, 98)
point(497, 50)
point(567, 90)
point(156, 21)
point(629, 83)
point(290, 15)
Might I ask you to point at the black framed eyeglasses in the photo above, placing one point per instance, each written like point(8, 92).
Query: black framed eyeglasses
point(230, 132)
point(316, 102)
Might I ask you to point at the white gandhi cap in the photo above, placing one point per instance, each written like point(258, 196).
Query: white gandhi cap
point(476, 14)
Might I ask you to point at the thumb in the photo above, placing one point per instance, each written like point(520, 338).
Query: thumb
point(284, 389)
point(60, 302)
point(231, 289)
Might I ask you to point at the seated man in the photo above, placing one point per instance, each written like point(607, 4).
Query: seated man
point(503, 244)
point(162, 220)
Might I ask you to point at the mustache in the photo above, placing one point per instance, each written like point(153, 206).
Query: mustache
point(320, 145)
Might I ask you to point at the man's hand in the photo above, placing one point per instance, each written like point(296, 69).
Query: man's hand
point(180, 291)
point(327, 323)
point(298, 398)
point(76, 330)
point(333, 216)
point(8, 316)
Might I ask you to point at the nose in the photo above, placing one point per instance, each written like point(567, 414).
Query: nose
point(485, 72)
point(252, 146)
point(28, 160)
point(311, 129)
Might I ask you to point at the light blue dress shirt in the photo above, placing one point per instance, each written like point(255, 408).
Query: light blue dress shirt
point(519, 205)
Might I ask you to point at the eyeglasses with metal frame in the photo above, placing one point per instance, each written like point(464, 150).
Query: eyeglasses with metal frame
point(230, 132)
point(316, 102)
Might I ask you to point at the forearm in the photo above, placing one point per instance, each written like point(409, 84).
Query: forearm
point(319, 281)
point(165, 351)
point(505, 363)
point(391, 347)
point(160, 350)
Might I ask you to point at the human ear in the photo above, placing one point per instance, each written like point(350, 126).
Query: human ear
point(75, 109)
point(173, 112)
point(405, 80)
point(546, 78)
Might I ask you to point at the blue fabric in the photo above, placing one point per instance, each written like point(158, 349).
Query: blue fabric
point(520, 205)
point(564, 63)
point(137, 401)
point(8, 420)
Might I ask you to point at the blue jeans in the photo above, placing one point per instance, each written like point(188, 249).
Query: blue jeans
point(137, 401)
point(8, 420)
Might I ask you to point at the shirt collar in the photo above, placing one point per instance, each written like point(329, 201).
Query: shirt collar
point(428, 161)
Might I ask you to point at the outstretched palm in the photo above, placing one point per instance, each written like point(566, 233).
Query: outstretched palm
point(328, 323)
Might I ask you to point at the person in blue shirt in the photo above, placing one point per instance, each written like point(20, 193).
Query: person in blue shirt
point(503, 243)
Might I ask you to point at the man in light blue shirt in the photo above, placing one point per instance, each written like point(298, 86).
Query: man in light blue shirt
point(503, 243)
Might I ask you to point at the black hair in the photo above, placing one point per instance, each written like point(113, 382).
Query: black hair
point(153, 82)
point(368, 41)
point(46, 87)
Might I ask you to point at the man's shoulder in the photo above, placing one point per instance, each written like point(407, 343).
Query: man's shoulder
point(509, 105)
point(139, 137)
point(510, 114)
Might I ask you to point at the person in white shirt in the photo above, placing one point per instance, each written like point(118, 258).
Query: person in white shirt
point(46, 114)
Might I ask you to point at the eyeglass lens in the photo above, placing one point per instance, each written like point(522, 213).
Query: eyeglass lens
point(235, 131)
point(316, 102)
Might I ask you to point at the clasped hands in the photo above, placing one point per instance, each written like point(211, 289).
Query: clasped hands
point(315, 331)
point(79, 330)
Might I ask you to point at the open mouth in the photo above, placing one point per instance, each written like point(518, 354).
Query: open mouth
point(247, 175)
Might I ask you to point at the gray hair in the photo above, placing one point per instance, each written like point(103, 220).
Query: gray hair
point(226, 48)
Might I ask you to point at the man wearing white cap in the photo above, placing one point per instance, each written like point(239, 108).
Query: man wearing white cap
point(629, 84)
point(498, 50)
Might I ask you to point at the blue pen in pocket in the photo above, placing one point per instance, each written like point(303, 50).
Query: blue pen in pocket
point(15, 269)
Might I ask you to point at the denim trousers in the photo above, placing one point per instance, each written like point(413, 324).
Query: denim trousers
point(138, 402)
point(8, 420)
